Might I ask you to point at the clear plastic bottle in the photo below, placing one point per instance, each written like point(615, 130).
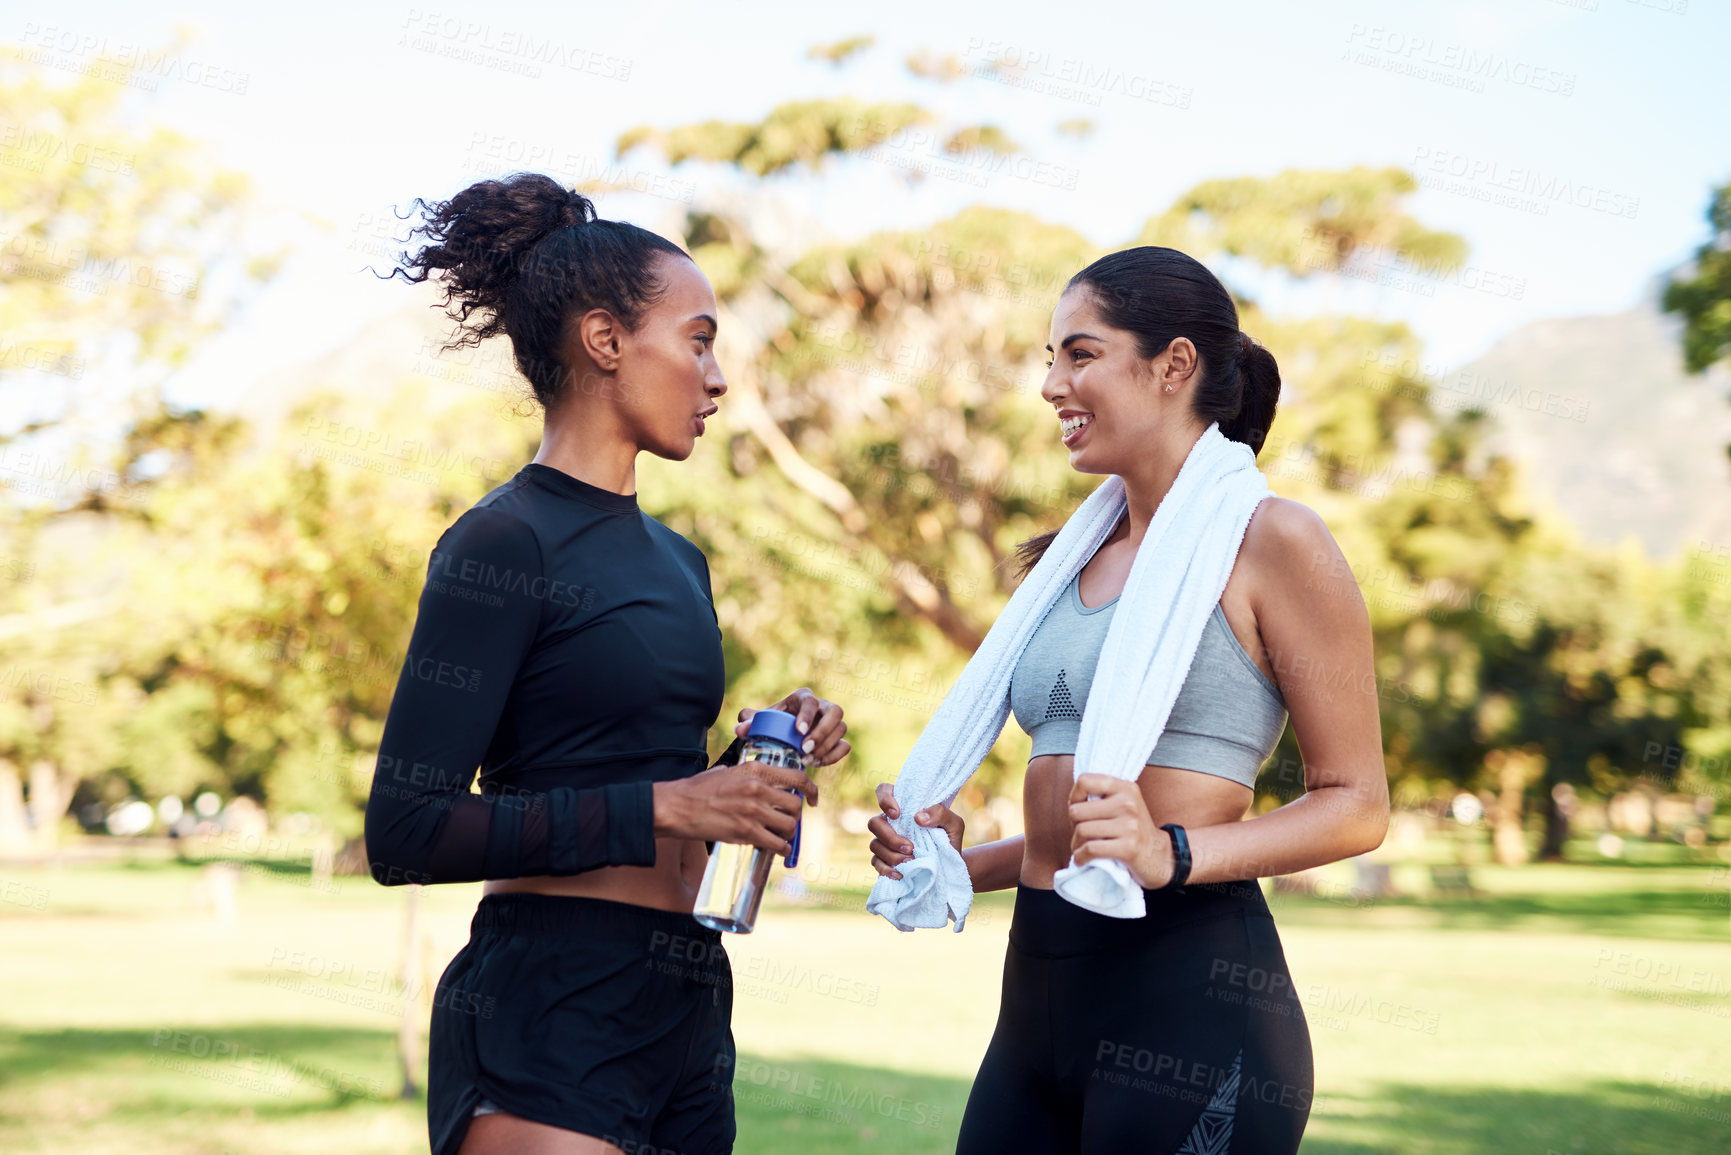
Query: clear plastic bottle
point(734, 880)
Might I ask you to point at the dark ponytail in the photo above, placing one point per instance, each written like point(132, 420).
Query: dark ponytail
point(1161, 294)
point(1259, 381)
point(531, 254)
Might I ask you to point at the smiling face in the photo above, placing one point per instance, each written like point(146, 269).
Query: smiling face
point(663, 373)
point(1112, 403)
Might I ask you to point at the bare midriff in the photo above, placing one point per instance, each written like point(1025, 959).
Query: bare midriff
point(671, 884)
point(1186, 797)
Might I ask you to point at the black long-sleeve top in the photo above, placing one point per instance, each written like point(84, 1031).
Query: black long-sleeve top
point(567, 645)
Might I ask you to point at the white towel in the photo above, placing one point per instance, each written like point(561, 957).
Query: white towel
point(1180, 571)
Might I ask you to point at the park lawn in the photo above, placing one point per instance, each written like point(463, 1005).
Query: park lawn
point(1576, 1009)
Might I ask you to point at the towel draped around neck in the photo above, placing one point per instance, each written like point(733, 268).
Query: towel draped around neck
point(1180, 571)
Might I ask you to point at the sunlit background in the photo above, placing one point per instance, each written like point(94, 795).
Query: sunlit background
point(1480, 238)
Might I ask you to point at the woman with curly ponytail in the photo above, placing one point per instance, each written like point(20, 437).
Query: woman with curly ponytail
point(1157, 1014)
point(566, 644)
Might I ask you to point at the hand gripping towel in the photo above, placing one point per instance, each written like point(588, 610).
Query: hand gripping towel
point(1179, 573)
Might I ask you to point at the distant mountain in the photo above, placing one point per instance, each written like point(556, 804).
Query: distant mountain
point(1609, 426)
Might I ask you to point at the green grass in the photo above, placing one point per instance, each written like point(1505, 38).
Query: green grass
point(1575, 1008)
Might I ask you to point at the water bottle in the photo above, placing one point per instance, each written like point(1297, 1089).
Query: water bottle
point(733, 882)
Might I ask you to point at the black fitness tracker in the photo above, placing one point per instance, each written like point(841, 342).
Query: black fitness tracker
point(1180, 856)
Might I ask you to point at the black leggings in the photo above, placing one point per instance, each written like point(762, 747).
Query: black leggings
point(1176, 1032)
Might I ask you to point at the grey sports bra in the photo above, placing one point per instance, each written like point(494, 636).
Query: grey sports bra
point(1225, 721)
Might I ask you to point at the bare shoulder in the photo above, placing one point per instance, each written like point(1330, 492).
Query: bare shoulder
point(1283, 532)
point(1291, 551)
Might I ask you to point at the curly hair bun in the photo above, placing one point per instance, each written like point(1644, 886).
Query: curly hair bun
point(528, 253)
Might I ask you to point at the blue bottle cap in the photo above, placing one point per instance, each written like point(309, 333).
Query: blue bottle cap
point(776, 725)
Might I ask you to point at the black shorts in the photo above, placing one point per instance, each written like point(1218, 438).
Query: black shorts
point(599, 1017)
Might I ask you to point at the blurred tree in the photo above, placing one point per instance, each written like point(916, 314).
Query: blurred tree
point(890, 381)
point(121, 248)
point(883, 449)
point(284, 593)
point(796, 133)
point(928, 65)
point(115, 236)
point(1704, 299)
point(841, 51)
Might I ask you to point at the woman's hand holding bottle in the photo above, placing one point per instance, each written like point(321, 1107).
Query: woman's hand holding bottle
point(818, 719)
point(752, 803)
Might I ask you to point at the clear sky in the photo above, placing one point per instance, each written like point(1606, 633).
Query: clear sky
point(1573, 143)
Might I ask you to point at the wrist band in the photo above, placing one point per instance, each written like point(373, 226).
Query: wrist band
point(1180, 856)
